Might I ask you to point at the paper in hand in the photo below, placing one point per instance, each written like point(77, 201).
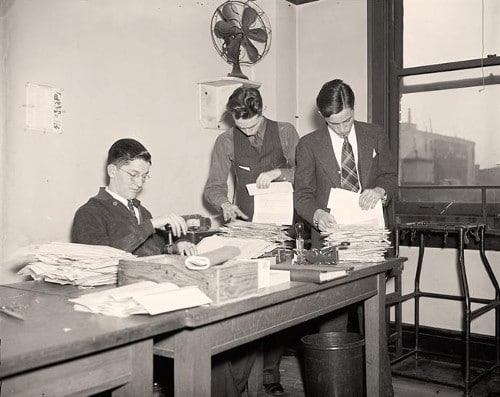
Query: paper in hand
point(344, 206)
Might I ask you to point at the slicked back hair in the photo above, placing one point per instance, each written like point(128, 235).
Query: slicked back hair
point(334, 97)
point(125, 150)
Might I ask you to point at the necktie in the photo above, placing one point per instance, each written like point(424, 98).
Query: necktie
point(130, 205)
point(349, 173)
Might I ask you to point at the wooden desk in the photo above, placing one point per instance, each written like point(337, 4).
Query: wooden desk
point(57, 351)
point(211, 330)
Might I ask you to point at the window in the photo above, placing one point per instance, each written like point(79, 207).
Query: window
point(443, 112)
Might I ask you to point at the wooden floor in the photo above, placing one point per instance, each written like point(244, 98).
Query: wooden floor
point(292, 382)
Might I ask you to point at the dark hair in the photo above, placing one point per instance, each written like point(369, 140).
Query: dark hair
point(126, 150)
point(244, 102)
point(334, 97)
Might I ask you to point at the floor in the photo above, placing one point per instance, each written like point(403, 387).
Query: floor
point(294, 387)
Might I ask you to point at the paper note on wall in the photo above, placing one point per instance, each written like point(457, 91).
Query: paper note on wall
point(344, 206)
point(274, 204)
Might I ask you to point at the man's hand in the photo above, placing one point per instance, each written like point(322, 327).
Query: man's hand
point(265, 178)
point(370, 197)
point(323, 220)
point(186, 248)
point(176, 222)
point(231, 212)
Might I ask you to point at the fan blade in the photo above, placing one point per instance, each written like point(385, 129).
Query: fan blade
point(252, 52)
point(258, 34)
point(223, 29)
point(249, 17)
point(230, 13)
point(233, 49)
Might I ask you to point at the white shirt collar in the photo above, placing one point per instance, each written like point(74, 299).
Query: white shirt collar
point(124, 201)
point(116, 196)
point(337, 143)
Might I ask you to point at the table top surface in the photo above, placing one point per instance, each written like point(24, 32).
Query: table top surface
point(52, 330)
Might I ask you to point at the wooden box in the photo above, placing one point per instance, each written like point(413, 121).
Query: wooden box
point(232, 280)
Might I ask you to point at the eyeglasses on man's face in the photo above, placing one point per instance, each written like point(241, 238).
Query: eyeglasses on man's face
point(136, 176)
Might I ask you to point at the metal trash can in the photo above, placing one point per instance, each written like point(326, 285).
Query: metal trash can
point(333, 364)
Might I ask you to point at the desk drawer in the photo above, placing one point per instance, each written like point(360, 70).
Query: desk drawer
point(78, 377)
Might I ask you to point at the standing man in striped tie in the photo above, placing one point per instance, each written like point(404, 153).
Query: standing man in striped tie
point(343, 153)
point(347, 154)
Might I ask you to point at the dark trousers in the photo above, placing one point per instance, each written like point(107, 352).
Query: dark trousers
point(230, 370)
point(273, 348)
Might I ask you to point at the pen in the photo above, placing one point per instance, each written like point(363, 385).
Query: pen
point(448, 206)
point(10, 312)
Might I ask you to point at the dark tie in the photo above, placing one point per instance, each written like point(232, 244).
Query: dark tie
point(349, 173)
point(130, 205)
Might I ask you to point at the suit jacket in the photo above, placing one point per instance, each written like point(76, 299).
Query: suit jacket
point(317, 170)
point(103, 220)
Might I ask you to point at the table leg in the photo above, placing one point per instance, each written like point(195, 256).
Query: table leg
point(192, 363)
point(374, 323)
point(141, 382)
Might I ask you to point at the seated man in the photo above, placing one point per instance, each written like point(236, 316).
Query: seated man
point(114, 217)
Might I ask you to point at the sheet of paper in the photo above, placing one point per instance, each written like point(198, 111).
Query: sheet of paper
point(140, 298)
point(249, 247)
point(274, 204)
point(344, 206)
point(274, 188)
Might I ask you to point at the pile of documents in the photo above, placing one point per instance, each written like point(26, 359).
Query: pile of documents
point(358, 242)
point(145, 297)
point(245, 247)
point(270, 232)
point(77, 264)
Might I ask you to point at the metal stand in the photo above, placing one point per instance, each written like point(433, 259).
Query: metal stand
point(465, 231)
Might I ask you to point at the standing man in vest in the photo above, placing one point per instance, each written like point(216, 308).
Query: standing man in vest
point(260, 151)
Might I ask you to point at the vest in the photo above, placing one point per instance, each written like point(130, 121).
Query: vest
point(249, 163)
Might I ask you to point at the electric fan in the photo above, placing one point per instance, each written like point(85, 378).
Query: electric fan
point(241, 34)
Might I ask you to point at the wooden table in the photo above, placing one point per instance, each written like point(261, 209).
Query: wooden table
point(57, 351)
point(214, 329)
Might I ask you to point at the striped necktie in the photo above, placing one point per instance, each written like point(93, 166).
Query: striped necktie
point(349, 173)
point(131, 208)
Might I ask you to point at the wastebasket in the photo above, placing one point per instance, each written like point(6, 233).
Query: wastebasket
point(333, 364)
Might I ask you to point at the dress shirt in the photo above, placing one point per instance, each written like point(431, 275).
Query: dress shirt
point(124, 201)
point(216, 189)
point(338, 142)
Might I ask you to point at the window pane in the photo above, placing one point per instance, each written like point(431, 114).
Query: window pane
point(439, 31)
point(449, 136)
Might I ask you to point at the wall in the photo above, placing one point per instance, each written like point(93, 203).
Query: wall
point(332, 43)
point(3, 10)
point(128, 69)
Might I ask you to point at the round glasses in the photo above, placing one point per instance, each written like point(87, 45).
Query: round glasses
point(135, 176)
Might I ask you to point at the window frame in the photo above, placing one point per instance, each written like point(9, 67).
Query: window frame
point(385, 71)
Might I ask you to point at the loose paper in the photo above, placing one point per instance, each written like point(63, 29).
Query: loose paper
point(274, 204)
point(344, 206)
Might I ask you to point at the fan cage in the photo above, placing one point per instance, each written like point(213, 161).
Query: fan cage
point(261, 21)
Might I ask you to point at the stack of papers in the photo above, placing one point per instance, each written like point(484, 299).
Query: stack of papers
point(358, 243)
point(145, 297)
point(262, 231)
point(248, 247)
point(76, 264)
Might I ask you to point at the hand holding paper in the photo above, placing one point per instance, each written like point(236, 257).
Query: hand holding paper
point(344, 206)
